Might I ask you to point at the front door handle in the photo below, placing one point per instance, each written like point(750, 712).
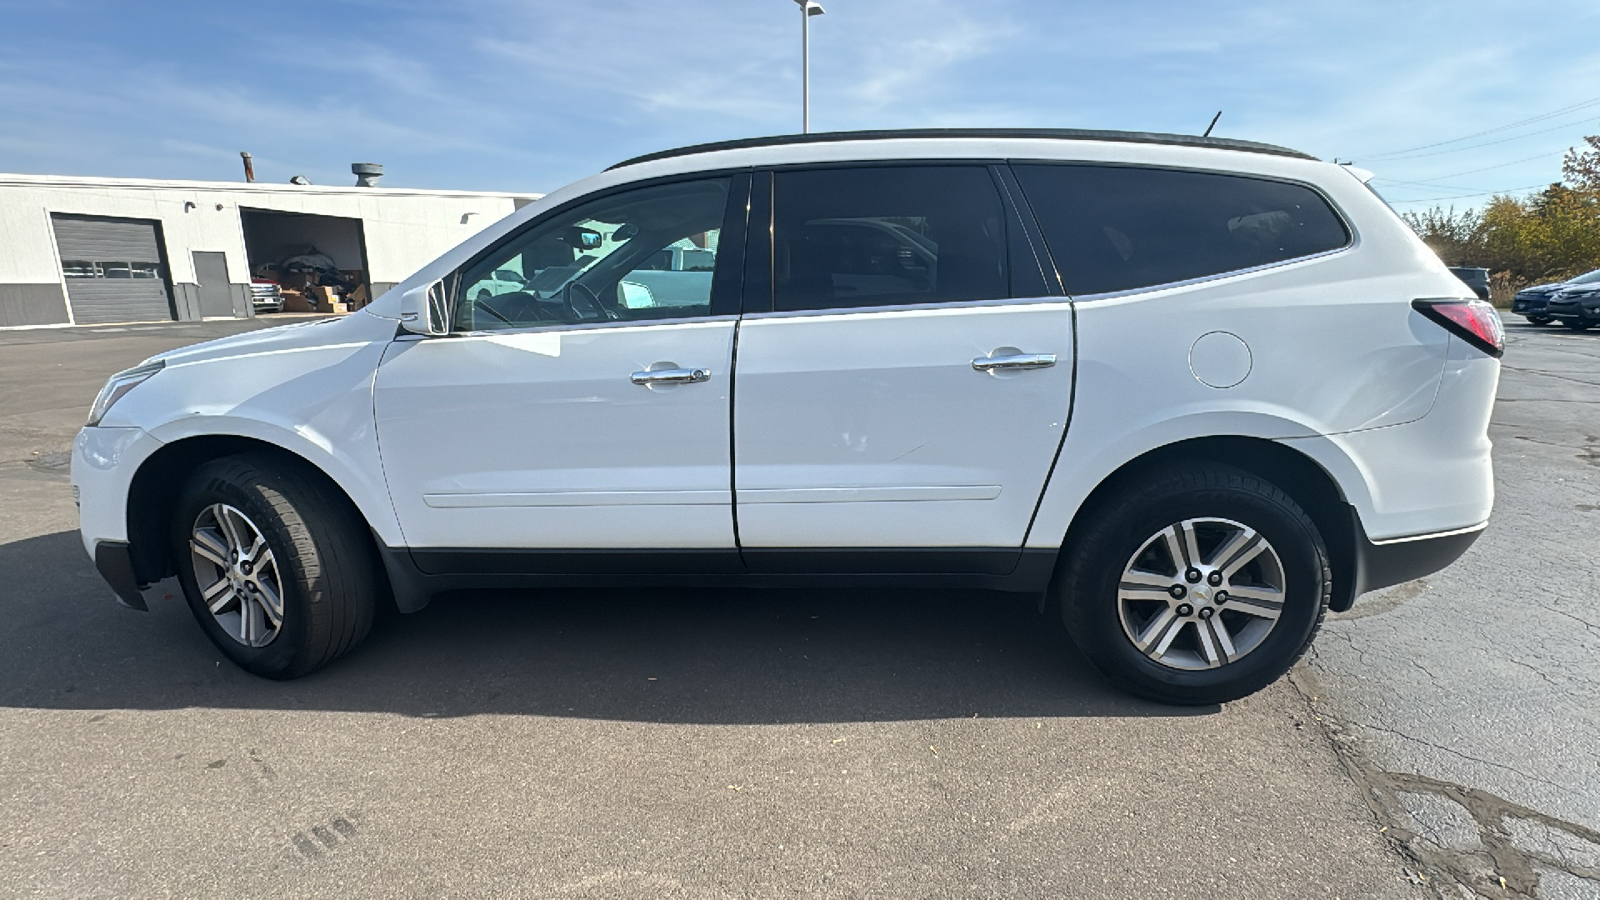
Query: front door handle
point(1017, 361)
point(672, 376)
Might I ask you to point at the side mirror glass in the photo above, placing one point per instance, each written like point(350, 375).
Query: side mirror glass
point(637, 296)
point(425, 309)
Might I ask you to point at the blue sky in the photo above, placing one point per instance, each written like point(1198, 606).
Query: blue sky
point(527, 95)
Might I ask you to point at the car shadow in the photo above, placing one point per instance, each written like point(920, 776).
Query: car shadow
point(647, 655)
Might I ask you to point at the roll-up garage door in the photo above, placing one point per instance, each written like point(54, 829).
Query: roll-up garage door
point(113, 269)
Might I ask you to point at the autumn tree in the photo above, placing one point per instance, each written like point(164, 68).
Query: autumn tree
point(1548, 236)
point(1580, 169)
point(1455, 237)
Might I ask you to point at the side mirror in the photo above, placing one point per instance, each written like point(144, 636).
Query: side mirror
point(425, 310)
point(637, 296)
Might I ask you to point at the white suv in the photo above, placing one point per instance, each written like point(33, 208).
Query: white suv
point(1194, 391)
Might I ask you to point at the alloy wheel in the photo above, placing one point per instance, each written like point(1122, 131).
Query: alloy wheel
point(1201, 593)
point(237, 575)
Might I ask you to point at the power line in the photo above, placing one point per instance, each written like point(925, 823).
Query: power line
point(1478, 194)
point(1593, 101)
point(1486, 143)
point(1434, 182)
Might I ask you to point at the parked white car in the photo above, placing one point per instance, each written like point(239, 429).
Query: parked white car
point(1196, 392)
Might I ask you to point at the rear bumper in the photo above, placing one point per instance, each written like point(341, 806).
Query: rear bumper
point(115, 563)
point(1384, 564)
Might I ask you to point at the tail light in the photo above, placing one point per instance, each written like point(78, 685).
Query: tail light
point(1474, 321)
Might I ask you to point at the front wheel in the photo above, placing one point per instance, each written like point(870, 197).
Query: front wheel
point(278, 572)
point(1539, 320)
point(1578, 325)
point(1199, 585)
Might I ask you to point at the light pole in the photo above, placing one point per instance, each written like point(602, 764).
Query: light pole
point(808, 8)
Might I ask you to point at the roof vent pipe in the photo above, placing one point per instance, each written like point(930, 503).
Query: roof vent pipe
point(367, 174)
point(249, 165)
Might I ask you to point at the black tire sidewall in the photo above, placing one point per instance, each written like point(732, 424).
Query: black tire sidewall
point(1091, 609)
point(290, 653)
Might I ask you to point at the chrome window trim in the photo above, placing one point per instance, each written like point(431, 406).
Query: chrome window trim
point(1062, 301)
point(565, 327)
point(1233, 273)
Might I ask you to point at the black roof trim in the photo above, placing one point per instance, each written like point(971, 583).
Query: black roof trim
point(1060, 134)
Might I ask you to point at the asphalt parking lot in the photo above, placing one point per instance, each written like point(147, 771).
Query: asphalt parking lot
point(763, 744)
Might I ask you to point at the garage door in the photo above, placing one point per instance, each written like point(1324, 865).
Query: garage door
point(113, 269)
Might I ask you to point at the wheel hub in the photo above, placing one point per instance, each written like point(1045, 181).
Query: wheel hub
point(1172, 596)
point(237, 575)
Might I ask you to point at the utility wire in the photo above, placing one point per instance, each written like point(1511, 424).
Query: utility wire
point(1485, 143)
point(1478, 194)
point(1434, 182)
point(1585, 104)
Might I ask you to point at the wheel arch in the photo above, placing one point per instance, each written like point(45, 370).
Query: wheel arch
point(156, 485)
point(1298, 475)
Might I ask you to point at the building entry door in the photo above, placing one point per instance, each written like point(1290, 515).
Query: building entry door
point(216, 295)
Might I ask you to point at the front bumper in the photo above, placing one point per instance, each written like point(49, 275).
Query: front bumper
point(104, 459)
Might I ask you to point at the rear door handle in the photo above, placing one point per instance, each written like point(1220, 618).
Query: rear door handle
point(671, 376)
point(1018, 361)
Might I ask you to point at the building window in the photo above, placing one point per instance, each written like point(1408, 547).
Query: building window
point(83, 268)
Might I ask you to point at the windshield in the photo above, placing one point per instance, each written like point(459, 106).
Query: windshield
point(1586, 278)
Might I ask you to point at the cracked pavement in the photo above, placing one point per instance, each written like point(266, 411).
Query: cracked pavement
point(1481, 683)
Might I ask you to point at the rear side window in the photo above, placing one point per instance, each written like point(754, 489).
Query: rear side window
point(1121, 228)
point(885, 235)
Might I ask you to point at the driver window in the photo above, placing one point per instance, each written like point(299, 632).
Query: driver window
point(642, 254)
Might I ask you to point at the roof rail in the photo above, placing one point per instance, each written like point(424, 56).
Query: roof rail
point(1060, 134)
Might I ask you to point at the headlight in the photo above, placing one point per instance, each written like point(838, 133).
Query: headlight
point(120, 384)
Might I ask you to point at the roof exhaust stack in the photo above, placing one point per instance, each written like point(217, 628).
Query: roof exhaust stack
point(367, 174)
point(249, 165)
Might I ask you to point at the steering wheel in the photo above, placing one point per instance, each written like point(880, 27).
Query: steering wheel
point(477, 303)
point(576, 295)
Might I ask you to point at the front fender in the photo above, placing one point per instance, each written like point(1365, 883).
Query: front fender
point(312, 399)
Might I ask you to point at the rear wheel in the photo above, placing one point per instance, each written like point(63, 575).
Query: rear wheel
point(280, 576)
point(1201, 585)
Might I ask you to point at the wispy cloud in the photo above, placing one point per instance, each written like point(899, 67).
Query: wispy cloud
point(529, 94)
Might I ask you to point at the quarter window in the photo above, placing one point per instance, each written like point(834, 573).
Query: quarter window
point(647, 253)
point(1121, 228)
point(885, 235)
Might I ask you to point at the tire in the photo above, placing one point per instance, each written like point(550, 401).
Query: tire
point(1539, 320)
point(322, 567)
point(1577, 325)
point(1106, 615)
